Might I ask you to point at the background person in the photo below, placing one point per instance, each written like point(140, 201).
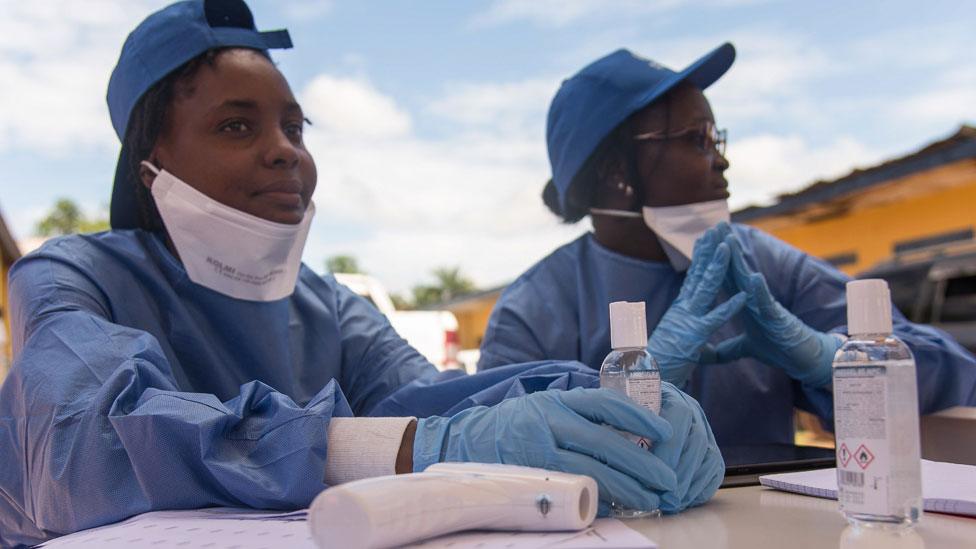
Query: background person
point(634, 145)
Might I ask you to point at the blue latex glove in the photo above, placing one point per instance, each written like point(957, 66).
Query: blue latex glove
point(682, 334)
point(691, 451)
point(774, 335)
point(562, 431)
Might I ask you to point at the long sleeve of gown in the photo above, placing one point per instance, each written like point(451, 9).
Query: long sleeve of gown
point(816, 293)
point(96, 427)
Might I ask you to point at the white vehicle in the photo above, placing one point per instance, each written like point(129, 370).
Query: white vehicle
point(432, 333)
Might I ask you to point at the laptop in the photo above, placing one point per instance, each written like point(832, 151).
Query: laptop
point(745, 463)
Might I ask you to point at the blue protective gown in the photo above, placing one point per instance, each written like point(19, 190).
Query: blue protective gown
point(559, 309)
point(134, 389)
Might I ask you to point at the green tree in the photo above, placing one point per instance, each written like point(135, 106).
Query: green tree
point(67, 218)
point(450, 284)
point(342, 264)
point(401, 303)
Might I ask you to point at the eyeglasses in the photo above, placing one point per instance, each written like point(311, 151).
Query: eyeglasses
point(706, 136)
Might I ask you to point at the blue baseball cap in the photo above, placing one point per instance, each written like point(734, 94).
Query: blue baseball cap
point(162, 43)
point(594, 101)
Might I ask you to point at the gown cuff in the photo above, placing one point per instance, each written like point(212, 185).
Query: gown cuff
point(363, 447)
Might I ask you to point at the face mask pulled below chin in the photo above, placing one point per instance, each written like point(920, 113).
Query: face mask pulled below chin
point(227, 250)
point(678, 227)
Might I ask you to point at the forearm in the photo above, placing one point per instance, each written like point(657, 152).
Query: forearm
point(404, 460)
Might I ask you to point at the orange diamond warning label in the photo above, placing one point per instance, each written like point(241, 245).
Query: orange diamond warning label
point(863, 456)
point(845, 455)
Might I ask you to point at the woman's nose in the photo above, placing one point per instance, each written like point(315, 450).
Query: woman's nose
point(720, 162)
point(282, 152)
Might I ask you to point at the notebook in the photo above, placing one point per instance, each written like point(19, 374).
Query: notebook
point(946, 487)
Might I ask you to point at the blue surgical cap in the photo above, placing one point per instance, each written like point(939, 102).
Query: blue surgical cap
point(594, 101)
point(162, 43)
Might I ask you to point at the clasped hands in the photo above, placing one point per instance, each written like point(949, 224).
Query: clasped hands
point(772, 334)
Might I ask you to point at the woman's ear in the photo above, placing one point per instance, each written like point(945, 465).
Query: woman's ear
point(146, 176)
point(615, 188)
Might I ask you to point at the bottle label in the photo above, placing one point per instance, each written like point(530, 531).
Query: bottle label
point(874, 469)
point(644, 388)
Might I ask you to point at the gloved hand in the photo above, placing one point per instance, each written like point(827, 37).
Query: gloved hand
point(774, 335)
point(563, 431)
point(691, 451)
point(682, 334)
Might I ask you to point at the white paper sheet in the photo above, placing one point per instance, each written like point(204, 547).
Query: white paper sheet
point(218, 528)
point(946, 487)
point(604, 533)
point(223, 528)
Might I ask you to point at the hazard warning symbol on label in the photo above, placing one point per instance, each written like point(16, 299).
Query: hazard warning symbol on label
point(844, 454)
point(863, 456)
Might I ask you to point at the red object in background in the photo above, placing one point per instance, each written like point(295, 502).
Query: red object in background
point(451, 348)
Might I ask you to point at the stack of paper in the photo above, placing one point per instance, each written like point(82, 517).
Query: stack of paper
point(223, 528)
point(946, 487)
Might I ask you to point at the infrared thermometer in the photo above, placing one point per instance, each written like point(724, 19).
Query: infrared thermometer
point(450, 497)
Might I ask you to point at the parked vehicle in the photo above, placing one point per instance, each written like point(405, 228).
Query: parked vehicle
point(433, 333)
point(936, 286)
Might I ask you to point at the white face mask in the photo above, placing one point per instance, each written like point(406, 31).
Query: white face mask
point(227, 250)
point(678, 227)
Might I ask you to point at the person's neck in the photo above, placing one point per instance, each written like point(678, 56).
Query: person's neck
point(171, 247)
point(629, 237)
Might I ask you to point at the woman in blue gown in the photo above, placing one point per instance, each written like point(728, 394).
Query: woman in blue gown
point(633, 145)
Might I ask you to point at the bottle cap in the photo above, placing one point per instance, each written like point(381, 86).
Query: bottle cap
point(628, 325)
point(868, 307)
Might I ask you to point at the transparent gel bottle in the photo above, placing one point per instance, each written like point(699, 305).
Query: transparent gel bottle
point(879, 477)
point(632, 372)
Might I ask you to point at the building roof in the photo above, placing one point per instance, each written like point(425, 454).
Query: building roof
point(467, 300)
point(959, 146)
point(8, 246)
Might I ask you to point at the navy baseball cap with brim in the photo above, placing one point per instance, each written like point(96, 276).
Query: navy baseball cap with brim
point(594, 101)
point(162, 43)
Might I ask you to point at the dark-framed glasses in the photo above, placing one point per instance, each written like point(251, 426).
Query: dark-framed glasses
point(707, 137)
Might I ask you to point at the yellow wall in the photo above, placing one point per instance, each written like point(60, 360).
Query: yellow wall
point(869, 224)
point(5, 351)
point(473, 320)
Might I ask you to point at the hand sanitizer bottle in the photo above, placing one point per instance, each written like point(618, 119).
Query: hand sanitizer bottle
point(632, 372)
point(879, 479)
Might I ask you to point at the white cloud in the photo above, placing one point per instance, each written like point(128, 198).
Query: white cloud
point(405, 204)
point(507, 107)
point(303, 10)
point(353, 108)
point(55, 61)
point(947, 100)
point(557, 13)
point(767, 165)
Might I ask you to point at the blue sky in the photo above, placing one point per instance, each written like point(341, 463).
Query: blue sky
point(429, 116)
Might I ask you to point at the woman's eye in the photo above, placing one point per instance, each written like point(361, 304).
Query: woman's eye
point(295, 129)
point(235, 126)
